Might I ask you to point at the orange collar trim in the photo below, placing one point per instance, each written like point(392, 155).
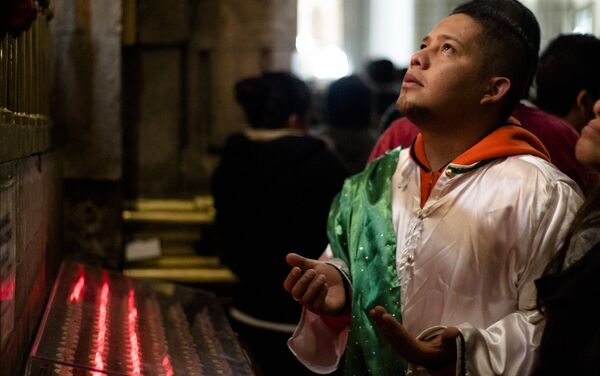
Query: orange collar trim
point(504, 141)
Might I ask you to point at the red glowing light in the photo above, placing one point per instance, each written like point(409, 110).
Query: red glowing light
point(101, 342)
point(7, 290)
point(134, 351)
point(166, 362)
point(76, 292)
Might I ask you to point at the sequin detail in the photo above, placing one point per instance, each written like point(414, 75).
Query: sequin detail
point(404, 263)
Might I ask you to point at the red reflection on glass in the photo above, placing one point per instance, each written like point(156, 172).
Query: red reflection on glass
point(166, 362)
point(76, 292)
point(101, 337)
point(132, 316)
point(7, 290)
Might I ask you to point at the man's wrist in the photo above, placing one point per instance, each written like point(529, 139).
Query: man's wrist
point(347, 293)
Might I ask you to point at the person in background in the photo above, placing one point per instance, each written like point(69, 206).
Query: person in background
point(570, 344)
point(568, 78)
point(391, 113)
point(434, 250)
point(272, 191)
point(384, 79)
point(347, 127)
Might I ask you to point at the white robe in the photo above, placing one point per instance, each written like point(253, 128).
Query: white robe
point(468, 259)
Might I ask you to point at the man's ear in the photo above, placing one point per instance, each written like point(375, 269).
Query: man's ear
point(580, 100)
point(495, 91)
point(584, 104)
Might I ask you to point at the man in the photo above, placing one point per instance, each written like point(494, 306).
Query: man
point(434, 250)
point(272, 190)
point(568, 80)
point(347, 122)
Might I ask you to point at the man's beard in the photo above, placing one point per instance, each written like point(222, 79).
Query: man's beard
point(414, 112)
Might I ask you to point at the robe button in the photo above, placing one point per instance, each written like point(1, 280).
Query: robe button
point(409, 260)
point(449, 173)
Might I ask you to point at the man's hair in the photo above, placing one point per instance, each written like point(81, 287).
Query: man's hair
point(270, 99)
point(348, 103)
point(510, 41)
point(569, 64)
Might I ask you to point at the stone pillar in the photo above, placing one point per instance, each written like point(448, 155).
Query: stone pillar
point(252, 36)
point(356, 32)
point(87, 87)
point(597, 17)
point(180, 73)
point(86, 41)
point(229, 40)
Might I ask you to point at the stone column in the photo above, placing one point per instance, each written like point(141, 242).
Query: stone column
point(87, 86)
point(253, 36)
point(86, 41)
point(230, 40)
point(181, 71)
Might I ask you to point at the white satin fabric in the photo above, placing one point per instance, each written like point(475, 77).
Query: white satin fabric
point(469, 259)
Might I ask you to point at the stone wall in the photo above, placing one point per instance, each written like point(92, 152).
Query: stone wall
point(86, 44)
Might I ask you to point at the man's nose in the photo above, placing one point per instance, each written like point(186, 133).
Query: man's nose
point(420, 59)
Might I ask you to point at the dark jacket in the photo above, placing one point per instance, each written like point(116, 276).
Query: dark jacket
point(272, 198)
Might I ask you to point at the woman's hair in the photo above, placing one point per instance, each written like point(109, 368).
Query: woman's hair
point(269, 100)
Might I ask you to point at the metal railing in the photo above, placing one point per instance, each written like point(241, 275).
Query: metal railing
point(25, 124)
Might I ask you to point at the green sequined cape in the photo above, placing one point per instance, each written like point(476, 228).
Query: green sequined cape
point(361, 233)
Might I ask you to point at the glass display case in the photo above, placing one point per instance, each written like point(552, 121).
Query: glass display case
point(99, 322)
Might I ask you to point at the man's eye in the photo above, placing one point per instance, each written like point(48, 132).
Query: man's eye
point(422, 46)
point(447, 48)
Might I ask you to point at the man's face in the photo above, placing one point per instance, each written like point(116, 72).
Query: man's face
point(444, 77)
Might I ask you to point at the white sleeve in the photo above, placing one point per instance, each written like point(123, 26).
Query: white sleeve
point(316, 344)
point(508, 346)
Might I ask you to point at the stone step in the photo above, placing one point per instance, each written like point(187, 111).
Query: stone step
point(220, 275)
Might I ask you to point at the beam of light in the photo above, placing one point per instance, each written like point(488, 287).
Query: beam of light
point(76, 292)
point(167, 367)
point(101, 338)
point(132, 316)
point(7, 290)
